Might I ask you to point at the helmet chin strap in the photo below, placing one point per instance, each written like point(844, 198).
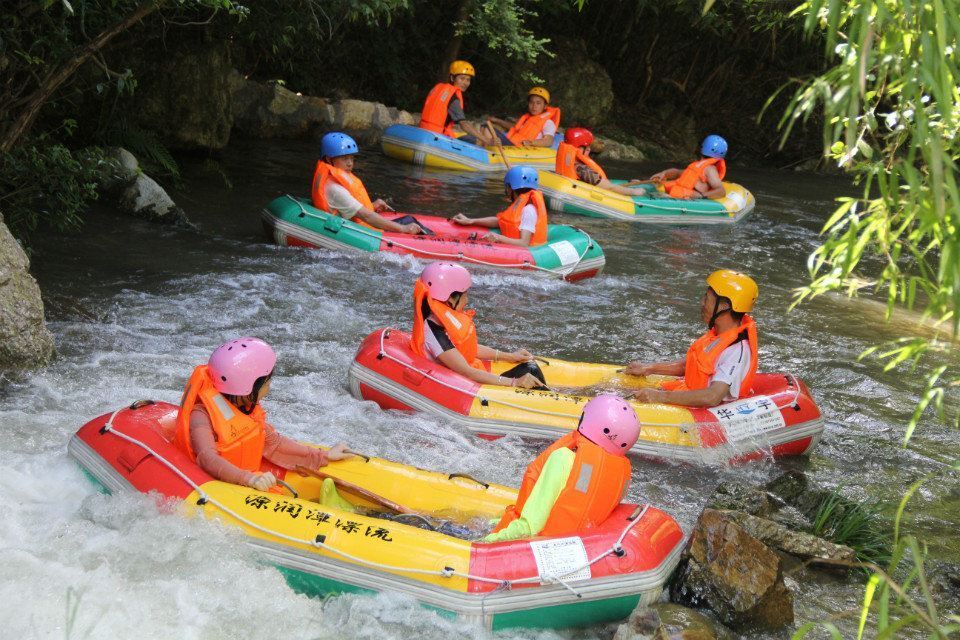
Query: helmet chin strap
point(717, 312)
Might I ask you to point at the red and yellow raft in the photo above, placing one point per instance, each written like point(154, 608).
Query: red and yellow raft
point(780, 419)
point(542, 582)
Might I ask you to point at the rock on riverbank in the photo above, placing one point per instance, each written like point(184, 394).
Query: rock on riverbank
point(25, 340)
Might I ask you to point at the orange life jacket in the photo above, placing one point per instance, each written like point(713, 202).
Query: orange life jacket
point(703, 354)
point(239, 436)
point(435, 117)
point(509, 218)
point(567, 158)
point(326, 172)
point(528, 127)
point(458, 325)
point(597, 484)
point(685, 185)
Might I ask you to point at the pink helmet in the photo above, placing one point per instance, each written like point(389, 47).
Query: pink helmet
point(610, 422)
point(444, 279)
point(236, 365)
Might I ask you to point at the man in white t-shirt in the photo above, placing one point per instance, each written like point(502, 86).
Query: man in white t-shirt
point(721, 364)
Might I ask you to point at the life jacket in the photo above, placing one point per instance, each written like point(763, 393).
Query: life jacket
point(326, 172)
point(684, 186)
point(703, 354)
point(509, 218)
point(458, 325)
point(596, 485)
point(528, 127)
point(435, 117)
point(239, 437)
point(567, 158)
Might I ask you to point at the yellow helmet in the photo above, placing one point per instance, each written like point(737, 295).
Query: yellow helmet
point(540, 91)
point(740, 288)
point(461, 68)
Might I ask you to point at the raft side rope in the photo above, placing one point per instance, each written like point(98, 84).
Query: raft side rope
point(562, 272)
point(446, 572)
point(683, 426)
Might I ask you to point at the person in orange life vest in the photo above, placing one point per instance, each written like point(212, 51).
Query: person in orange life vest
point(444, 331)
point(702, 178)
point(535, 128)
point(524, 222)
point(574, 161)
point(720, 366)
point(579, 480)
point(223, 428)
point(444, 106)
point(338, 191)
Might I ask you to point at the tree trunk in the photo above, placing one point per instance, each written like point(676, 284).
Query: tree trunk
point(22, 123)
point(452, 51)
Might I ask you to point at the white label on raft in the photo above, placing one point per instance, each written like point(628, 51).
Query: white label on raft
point(562, 558)
point(737, 199)
point(565, 251)
point(749, 418)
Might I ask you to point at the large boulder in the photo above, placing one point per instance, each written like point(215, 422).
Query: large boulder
point(270, 110)
point(25, 340)
point(138, 194)
point(584, 96)
point(796, 543)
point(734, 574)
point(184, 97)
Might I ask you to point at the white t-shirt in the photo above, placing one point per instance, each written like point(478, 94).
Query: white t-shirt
point(340, 200)
point(549, 129)
point(435, 339)
point(528, 219)
point(732, 367)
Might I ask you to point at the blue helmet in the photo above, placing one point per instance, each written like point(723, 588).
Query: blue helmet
point(336, 144)
point(714, 147)
point(522, 177)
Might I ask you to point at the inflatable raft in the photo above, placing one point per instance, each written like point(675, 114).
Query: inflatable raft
point(569, 252)
point(540, 582)
point(781, 419)
point(572, 196)
point(428, 149)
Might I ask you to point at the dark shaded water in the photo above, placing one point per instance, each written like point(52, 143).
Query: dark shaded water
point(136, 306)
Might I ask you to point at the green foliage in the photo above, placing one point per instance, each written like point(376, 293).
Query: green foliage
point(150, 151)
point(44, 184)
point(892, 118)
point(853, 524)
point(501, 26)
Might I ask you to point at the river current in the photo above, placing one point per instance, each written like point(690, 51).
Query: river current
point(134, 306)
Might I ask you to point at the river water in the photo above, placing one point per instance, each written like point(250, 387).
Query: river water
point(135, 306)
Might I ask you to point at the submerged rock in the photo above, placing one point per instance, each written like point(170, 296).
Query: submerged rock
point(734, 574)
point(667, 621)
point(25, 340)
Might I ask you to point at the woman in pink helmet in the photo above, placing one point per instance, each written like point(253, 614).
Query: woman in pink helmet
point(579, 480)
point(223, 428)
point(443, 330)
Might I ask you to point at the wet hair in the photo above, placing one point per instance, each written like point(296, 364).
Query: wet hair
point(454, 298)
point(247, 403)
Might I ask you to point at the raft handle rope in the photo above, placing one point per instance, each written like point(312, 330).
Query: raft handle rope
point(563, 272)
point(485, 401)
point(320, 541)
